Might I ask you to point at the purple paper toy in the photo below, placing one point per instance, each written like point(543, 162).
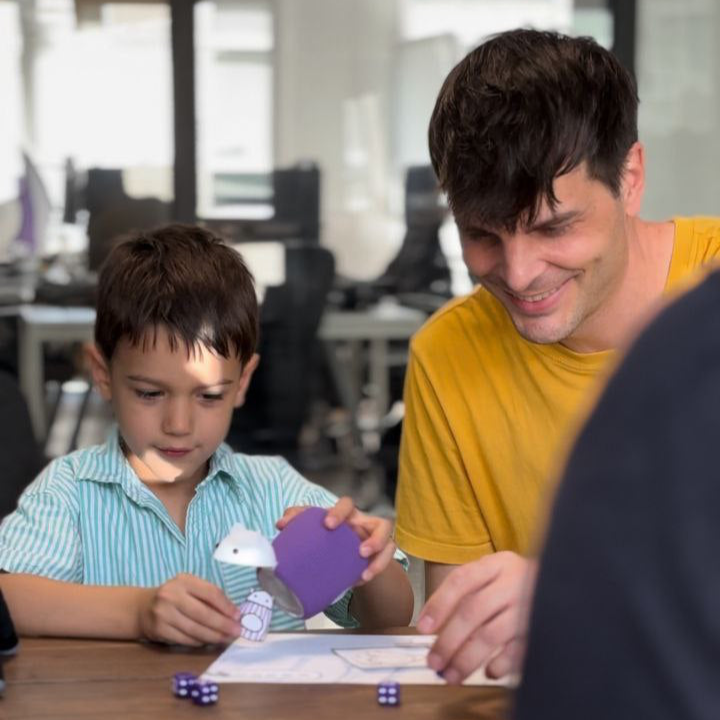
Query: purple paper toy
point(307, 567)
point(256, 615)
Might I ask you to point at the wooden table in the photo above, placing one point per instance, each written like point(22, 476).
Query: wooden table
point(62, 679)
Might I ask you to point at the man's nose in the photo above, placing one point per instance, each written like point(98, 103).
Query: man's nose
point(521, 263)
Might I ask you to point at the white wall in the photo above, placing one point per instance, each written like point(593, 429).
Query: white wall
point(334, 61)
point(678, 67)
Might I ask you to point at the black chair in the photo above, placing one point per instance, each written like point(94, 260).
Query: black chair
point(279, 396)
point(112, 213)
point(21, 456)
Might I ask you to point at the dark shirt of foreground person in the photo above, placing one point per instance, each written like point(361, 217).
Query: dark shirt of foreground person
point(626, 618)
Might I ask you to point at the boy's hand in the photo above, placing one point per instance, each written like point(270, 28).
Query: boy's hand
point(188, 611)
point(375, 533)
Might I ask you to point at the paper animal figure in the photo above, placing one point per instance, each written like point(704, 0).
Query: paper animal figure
point(256, 615)
point(306, 568)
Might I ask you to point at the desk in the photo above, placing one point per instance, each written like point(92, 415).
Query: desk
point(58, 679)
point(378, 326)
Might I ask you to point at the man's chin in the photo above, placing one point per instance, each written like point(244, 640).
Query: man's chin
point(541, 334)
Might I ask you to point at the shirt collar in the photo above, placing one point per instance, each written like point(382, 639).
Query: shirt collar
point(107, 463)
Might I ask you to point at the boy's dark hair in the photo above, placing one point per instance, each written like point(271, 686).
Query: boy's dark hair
point(185, 279)
point(521, 109)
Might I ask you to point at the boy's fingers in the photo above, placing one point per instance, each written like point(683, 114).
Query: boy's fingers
point(379, 563)
point(379, 535)
point(212, 596)
point(340, 512)
point(201, 624)
point(212, 624)
point(289, 514)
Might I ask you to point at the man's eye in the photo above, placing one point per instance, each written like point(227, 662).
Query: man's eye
point(556, 231)
point(212, 397)
point(147, 394)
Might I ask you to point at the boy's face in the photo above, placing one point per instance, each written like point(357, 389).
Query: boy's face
point(555, 278)
point(173, 409)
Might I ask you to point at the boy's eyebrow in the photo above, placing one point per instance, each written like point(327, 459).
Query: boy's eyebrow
point(158, 383)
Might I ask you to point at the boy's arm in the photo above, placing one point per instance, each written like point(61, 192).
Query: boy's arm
point(385, 601)
point(185, 610)
point(41, 606)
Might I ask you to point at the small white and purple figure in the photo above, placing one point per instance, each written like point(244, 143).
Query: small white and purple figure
point(256, 615)
point(306, 567)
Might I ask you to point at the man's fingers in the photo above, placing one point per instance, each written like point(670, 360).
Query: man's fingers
point(480, 615)
point(508, 661)
point(461, 581)
point(480, 647)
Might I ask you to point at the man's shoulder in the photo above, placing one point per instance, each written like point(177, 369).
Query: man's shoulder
point(462, 319)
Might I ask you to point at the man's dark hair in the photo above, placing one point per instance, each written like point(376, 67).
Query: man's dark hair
point(521, 109)
point(185, 279)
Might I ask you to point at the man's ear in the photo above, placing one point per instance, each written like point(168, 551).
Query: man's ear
point(633, 179)
point(100, 370)
point(245, 377)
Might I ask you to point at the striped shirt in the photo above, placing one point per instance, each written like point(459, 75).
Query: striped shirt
point(88, 519)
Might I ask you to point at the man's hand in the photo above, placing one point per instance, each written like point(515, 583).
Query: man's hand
point(480, 613)
point(188, 611)
point(375, 533)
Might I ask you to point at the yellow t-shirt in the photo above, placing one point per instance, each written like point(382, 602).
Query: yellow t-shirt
point(488, 415)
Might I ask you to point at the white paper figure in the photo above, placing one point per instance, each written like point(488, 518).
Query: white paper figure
point(256, 615)
point(245, 547)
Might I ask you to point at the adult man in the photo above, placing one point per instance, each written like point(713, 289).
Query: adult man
point(534, 140)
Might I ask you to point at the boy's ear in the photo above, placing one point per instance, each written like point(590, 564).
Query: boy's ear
point(245, 378)
point(99, 369)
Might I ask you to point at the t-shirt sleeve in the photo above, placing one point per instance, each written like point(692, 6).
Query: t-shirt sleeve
point(307, 493)
point(41, 536)
point(438, 517)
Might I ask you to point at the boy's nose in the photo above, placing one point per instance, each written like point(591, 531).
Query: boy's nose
point(177, 419)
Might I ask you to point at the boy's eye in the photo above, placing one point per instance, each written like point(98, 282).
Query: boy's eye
point(212, 397)
point(147, 394)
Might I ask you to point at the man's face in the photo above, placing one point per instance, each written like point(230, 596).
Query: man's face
point(173, 409)
point(554, 276)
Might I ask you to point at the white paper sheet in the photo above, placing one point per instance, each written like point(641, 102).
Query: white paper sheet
point(329, 658)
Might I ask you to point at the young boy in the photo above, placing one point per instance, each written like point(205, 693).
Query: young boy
point(116, 540)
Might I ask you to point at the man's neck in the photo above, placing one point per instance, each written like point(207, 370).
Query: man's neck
point(638, 294)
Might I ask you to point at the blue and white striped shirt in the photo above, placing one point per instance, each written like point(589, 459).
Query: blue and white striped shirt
point(88, 519)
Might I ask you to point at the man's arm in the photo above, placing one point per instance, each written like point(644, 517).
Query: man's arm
point(435, 574)
point(185, 610)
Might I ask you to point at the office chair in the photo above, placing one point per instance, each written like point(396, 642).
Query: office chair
point(112, 213)
point(21, 456)
point(279, 396)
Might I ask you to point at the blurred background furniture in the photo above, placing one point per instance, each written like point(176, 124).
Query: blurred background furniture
point(278, 399)
point(21, 456)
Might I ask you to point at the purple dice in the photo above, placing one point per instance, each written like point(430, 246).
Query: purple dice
point(182, 683)
point(204, 693)
point(388, 694)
